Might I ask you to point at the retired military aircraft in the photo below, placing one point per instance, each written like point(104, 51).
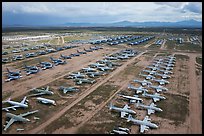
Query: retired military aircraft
point(144, 124)
point(161, 81)
point(89, 69)
point(88, 50)
point(156, 97)
point(132, 99)
point(147, 76)
point(13, 75)
point(165, 71)
point(104, 68)
point(31, 69)
point(139, 89)
point(143, 83)
point(159, 88)
point(81, 52)
point(79, 81)
point(58, 61)
point(96, 65)
point(150, 108)
point(46, 101)
point(150, 72)
point(68, 89)
point(19, 117)
point(22, 104)
point(42, 91)
point(94, 74)
point(76, 75)
point(124, 111)
point(164, 76)
point(65, 57)
point(45, 65)
point(111, 58)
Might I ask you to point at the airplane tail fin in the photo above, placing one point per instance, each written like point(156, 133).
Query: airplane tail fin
point(129, 117)
point(47, 89)
point(137, 104)
point(8, 70)
point(111, 106)
point(24, 100)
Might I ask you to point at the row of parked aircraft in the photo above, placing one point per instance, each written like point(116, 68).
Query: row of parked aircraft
point(46, 65)
point(16, 57)
point(99, 68)
point(125, 111)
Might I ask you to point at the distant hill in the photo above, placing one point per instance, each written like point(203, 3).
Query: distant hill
point(183, 24)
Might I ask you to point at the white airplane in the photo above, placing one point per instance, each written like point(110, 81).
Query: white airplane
point(168, 64)
point(165, 71)
point(104, 68)
point(97, 65)
point(143, 83)
point(161, 81)
point(76, 75)
point(144, 124)
point(153, 68)
point(150, 108)
point(159, 88)
point(150, 72)
point(166, 68)
point(89, 69)
point(147, 76)
point(132, 99)
point(46, 101)
point(156, 97)
point(22, 104)
point(19, 117)
point(164, 76)
point(119, 132)
point(41, 91)
point(139, 89)
point(124, 111)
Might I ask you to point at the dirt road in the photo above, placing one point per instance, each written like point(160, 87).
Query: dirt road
point(87, 92)
point(195, 105)
point(162, 46)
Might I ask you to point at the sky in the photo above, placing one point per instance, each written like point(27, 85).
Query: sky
point(98, 12)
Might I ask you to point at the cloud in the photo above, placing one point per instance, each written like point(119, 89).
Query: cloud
point(195, 7)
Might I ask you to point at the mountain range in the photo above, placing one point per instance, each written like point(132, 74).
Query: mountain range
point(183, 24)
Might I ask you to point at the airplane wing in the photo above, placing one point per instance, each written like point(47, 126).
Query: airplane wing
point(159, 90)
point(12, 107)
point(37, 94)
point(64, 91)
point(122, 115)
point(143, 128)
point(9, 124)
point(149, 111)
point(126, 107)
point(27, 113)
point(24, 100)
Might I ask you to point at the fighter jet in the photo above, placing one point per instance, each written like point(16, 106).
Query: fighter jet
point(19, 117)
point(122, 57)
point(74, 54)
point(147, 76)
point(123, 111)
point(31, 54)
point(79, 81)
point(153, 68)
point(143, 83)
point(88, 50)
point(45, 65)
point(81, 52)
point(18, 57)
point(132, 99)
point(161, 81)
point(68, 89)
point(104, 68)
point(164, 76)
point(31, 69)
point(46, 101)
point(150, 108)
point(93, 48)
point(150, 72)
point(166, 68)
point(65, 57)
point(156, 97)
point(139, 89)
point(22, 104)
point(144, 124)
point(159, 88)
point(168, 64)
point(5, 60)
point(94, 74)
point(98, 47)
point(42, 91)
point(13, 75)
point(89, 69)
point(76, 75)
point(58, 61)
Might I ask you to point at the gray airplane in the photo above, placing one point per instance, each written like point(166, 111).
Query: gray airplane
point(31, 69)
point(150, 72)
point(164, 76)
point(45, 65)
point(65, 57)
point(58, 61)
point(150, 108)
point(166, 68)
point(120, 130)
point(165, 71)
point(156, 97)
point(22, 104)
point(13, 75)
point(123, 111)
point(159, 88)
point(76, 75)
point(144, 124)
point(147, 76)
point(14, 118)
point(68, 89)
point(94, 74)
point(161, 81)
point(79, 81)
point(111, 58)
point(139, 89)
point(81, 52)
point(96, 65)
point(104, 68)
point(132, 99)
point(143, 83)
point(88, 50)
point(46, 101)
point(153, 68)
point(168, 64)
point(89, 69)
point(42, 91)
